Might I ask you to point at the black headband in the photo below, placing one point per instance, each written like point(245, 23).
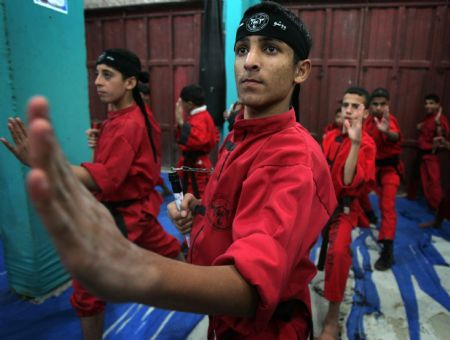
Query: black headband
point(276, 25)
point(123, 64)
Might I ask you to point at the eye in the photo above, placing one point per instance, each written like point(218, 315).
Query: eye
point(107, 75)
point(271, 49)
point(241, 50)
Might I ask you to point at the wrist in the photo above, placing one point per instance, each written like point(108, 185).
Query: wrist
point(356, 142)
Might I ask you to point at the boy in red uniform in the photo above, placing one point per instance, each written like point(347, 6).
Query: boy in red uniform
point(197, 136)
point(263, 209)
point(443, 211)
point(383, 127)
point(122, 175)
point(434, 125)
point(351, 157)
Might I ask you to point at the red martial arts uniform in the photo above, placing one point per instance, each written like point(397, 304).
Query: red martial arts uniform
point(430, 167)
point(389, 169)
point(264, 207)
point(331, 127)
point(196, 139)
point(125, 170)
point(336, 147)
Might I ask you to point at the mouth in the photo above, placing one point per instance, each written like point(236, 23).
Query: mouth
point(250, 81)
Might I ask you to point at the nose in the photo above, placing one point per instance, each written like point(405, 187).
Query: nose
point(97, 79)
point(252, 59)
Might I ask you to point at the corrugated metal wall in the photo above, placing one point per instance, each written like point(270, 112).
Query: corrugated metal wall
point(403, 46)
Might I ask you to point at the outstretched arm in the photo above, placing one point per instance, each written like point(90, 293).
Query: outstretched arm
point(20, 149)
point(93, 250)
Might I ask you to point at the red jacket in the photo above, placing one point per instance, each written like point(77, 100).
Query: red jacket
point(428, 131)
point(266, 204)
point(124, 167)
point(196, 139)
point(336, 147)
point(385, 148)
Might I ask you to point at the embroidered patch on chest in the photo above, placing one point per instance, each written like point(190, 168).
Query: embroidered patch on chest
point(219, 213)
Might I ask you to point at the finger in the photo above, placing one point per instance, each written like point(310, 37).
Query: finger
point(9, 146)
point(21, 126)
point(37, 108)
point(17, 130)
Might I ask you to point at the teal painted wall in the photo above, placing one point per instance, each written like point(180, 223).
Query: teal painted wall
point(41, 52)
point(232, 13)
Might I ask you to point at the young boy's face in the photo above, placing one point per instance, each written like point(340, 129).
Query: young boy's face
point(264, 71)
point(353, 107)
point(111, 86)
point(378, 106)
point(431, 106)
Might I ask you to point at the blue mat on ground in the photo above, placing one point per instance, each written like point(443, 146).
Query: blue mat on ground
point(55, 318)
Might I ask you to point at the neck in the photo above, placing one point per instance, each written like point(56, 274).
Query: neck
point(252, 112)
point(124, 102)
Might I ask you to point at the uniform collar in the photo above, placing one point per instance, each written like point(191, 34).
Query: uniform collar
point(266, 124)
point(114, 114)
point(198, 110)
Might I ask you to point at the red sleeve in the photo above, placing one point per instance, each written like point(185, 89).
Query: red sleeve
point(114, 157)
point(364, 173)
point(199, 134)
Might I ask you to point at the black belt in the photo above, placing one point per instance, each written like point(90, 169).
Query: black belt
point(391, 161)
point(190, 158)
point(118, 218)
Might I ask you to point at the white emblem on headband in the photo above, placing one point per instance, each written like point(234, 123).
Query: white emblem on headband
point(279, 24)
point(257, 22)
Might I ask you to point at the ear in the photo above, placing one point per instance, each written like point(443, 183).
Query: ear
point(302, 71)
point(130, 83)
point(365, 113)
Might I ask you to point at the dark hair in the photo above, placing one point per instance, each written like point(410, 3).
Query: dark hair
point(193, 93)
point(360, 91)
point(273, 7)
point(143, 88)
point(380, 92)
point(432, 96)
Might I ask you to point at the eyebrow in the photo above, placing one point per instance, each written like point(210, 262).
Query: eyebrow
point(262, 38)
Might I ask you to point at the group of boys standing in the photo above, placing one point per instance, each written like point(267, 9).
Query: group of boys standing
point(263, 209)
point(379, 168)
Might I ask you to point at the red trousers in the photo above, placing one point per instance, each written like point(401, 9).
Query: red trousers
point(430, 174)
point(153, 238)
point(388, 181)
point(339, 258)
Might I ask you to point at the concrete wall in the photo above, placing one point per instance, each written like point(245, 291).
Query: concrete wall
point(41, 52)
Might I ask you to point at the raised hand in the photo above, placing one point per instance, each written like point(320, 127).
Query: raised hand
point(179, 112)
point(20, 137)
point(92, 136)
point(438, 116)
point(353, 127)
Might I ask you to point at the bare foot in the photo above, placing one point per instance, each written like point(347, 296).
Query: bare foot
point(430, 224)
point(330, 331)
